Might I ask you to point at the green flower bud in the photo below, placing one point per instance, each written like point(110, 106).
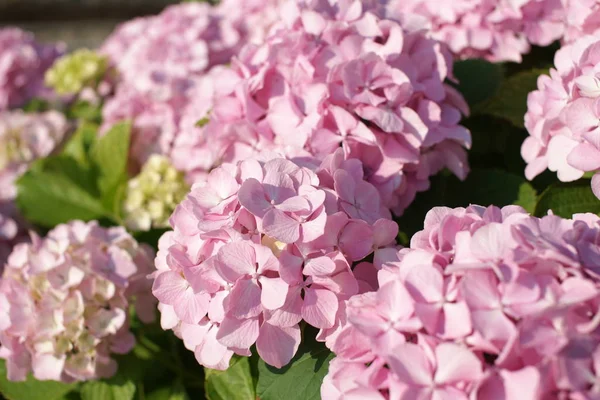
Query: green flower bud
point(153, 195)
point(73, 72)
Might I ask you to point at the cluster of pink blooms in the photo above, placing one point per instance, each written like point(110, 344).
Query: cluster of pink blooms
point(487, 303)
point(497, 30)
point(64, 302)
point(582, 17)
point(260, 246)
point(563, 114)
point(335, 76)
point(23, 63)
point(23, 138)
point(160, 60)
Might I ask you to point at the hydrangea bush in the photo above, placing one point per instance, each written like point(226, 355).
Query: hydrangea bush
point(289, 186)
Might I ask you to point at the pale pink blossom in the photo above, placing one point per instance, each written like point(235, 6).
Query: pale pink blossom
point(562, 116)
point(65, 301)
point(496, 30)
point(23, 139)
point(23, 63)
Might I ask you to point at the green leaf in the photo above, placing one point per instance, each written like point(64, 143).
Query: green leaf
point(85, 111)
point(483, 187)
point(299, 380)
point(176, 392)
point(235, 383)
point(32, 389)
point(478, 79)
point(566, 199)
point(79, 146)
point(109, 390)
point(110, 155)
point(527, 197)
point(122, 386)
point(510, 101)
point(49, 198)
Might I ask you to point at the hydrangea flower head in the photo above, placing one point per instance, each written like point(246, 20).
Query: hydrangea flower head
point(23, 63)
point(161, 61)
point(486, 303)
point(72, 73)
point(335, 76)
point(261, 245)
point(23, 139)
point(496, 30)
point(153, 195)
point(66, 302)
point(562, 116)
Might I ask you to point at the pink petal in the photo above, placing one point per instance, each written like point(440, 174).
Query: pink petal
point(584, 157)
point(480, 290)
point(425, 284)
point(410, 365)
point(244, 299)
point(236, 260)
point(212, 354)
point(455, 363)
point(281, 226)
point(47, 367)
point(192, 307)
point(169, 287)
point(252, 197)
point(319, 266)
point(274, 292)
point(319, 308)
point(277, 345)
point(239, 334)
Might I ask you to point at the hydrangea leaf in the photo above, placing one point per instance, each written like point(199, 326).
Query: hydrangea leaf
point(49, 198)
point(32, 389)
point(110, 155)
point(566, 199)
point(510, 101)
point(482, 186)
point(234, 383)
point(478, 79)
point(80, 144)
point(171, 392)
point(299, 380)
point(99, 390)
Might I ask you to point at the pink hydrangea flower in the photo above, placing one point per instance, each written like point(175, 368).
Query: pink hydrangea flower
point(23, 63)
point(562, 116)
point(23, 139)
point(496, 30)
point(486, 303)
point(261, 245)
point(582, 18)
point(161, 61)
point(65, 302)
point(338, 75)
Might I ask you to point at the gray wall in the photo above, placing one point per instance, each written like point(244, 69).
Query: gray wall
point(79, 23)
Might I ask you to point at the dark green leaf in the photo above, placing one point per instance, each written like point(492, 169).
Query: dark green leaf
point(171, 392)
point(80, 175)
point(483, 187)
point(80, 144)
point(478, 79)
point(566, 199)
point(510, 101)
point(32, 389)
point(85, 111)
point(110, 390)
point(233, 384)
point(299, 380)
point(110, 155)
point(51, 198)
